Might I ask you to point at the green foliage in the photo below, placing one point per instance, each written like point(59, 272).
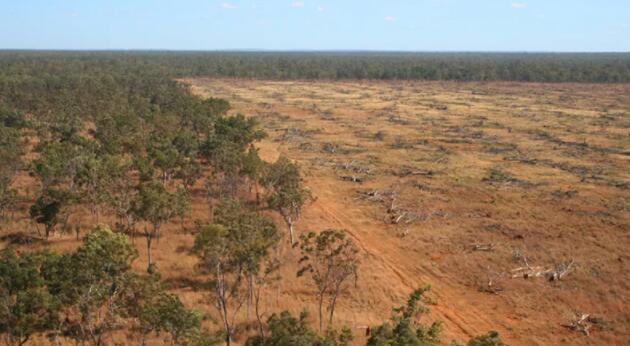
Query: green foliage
point(88, 293)
point(107, 70)
point(26, 306)
point(251, 235)
point(330, 259)
point(286, 330)
point(48, 206)
point(160, 312)
point(490, 339)
point(232, 250)
point(286, 192)
point(57, 163)
point(156, 205)
point(403, 329)
point(10, 158)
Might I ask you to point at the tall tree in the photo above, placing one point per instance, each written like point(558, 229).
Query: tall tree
point(286, 192)
point(231, 251)
point(26, 306)
point(331, 260)
point(155, 205)
point(91, 283)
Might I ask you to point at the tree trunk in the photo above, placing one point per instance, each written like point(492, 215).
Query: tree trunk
point(290, 223)
point(321, 303)
point(257, 307)
point(149, 236)
point(223, 305)
point(332, 307)
point(250, 293)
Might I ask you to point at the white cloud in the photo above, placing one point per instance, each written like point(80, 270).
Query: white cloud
point(297, 4)
point(390, 18)
point(519, 5)
point(321, 8)
point(229, 6)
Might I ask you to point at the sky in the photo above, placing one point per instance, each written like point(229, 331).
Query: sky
point(399, 25)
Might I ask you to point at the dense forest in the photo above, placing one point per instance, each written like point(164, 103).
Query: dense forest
point(114, 135)
point(530, 67)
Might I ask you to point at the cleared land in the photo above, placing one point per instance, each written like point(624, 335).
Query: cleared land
point(458, 185)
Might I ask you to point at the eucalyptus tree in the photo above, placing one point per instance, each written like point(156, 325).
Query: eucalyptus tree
point(96, 293)
point(286, 191)
point(232, 251)
point(331, 259)
point(404, 328)
point(286, 330)
point(91, 284)
point(26, 306)
point(94, 179)
point(121, 191)
point(164, 157)
point(156, 311)
point(58, 168)
point(226, 150)
point(47, 209)
point(157, 206)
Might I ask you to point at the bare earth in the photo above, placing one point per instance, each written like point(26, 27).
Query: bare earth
point(456, 185)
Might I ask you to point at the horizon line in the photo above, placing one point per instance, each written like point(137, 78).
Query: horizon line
point(263, 50)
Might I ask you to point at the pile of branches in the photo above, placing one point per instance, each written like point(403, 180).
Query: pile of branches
point(584, 323)
point(407, 171)
point(395, 214)
point(355, 166)
point(556, 273)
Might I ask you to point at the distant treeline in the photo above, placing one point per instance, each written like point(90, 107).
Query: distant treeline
point(531, 67)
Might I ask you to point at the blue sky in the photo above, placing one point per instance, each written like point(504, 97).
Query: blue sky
point(412, 25)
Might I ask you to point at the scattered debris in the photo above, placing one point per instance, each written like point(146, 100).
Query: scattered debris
point(293, 134)
point(353, 178)
point(355, 166)
point(492, 284)
point(379, 135)
point(439, 107)
point(376, 195)
point(483, 247)
point(552, 274)
point(561, 271)
point(584, 323)
point(330, 147)
point(410, 171)
point(562, 194)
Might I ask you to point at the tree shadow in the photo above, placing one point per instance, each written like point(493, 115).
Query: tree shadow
point(188, 282)
point(21, 238)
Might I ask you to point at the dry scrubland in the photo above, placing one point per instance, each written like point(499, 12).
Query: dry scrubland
point(458, 185)
point(449, 184)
